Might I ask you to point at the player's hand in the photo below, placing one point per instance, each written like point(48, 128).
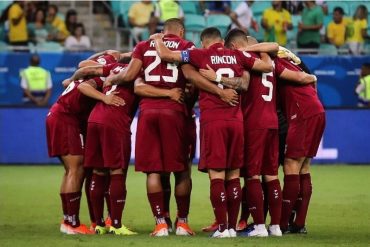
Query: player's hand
point(108, 81)
point(156, 36)
point(209, 73)
point(229, 96)
point(176, 94)
point(112, 99)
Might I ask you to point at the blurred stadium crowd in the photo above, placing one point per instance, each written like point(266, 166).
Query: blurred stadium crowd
point(324, 27)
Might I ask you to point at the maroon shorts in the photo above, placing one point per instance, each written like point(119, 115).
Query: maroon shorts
point(63, 137)
point(106, 147)
point(191, 138)
point(304, 136)
point(261, 152)
point(160, 145)
point(221, 145)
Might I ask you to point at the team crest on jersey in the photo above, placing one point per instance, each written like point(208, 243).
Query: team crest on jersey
point(102, 61)
point(118, 69)
point(246, 54)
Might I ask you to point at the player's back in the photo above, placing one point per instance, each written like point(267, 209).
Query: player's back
point(259, 101)
point(159, 73)
point(297, 101)
point(224, 62)
point(118, 117)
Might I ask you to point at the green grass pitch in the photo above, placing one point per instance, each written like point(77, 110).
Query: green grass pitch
point(339, 214)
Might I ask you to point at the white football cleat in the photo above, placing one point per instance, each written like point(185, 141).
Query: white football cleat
point(258, 231)
point(218, 234)
point(232, 233)
point(274, 230)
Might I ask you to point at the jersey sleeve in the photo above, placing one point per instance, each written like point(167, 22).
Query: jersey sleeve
point(279, 67)
point(107, 69)
point(246, 60)
point(195, 57)
point(138, 51)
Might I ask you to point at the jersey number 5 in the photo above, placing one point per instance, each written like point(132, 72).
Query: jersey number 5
point(267, 84)
point(154, 64)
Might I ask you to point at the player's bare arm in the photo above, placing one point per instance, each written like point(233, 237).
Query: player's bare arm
point(163, 52)
point(234, 83)
point(229, 96)
point(268, 47)
point(264, 64)
point(298, 77)
point(89, 71)
point(145, 90)
point(127, 75)
point(125, 55)
point(88, 88)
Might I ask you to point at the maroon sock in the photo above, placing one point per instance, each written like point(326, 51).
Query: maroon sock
point(274, 200)
point(265, 198)
point(305, 192)
point(106, 193)
point(64, 207)
point(245, 211)
point(234, 196)
point(183, 205)
point(290, 194)
point(117, 195)
point(73, 201)
point(219, 202)
point(255, 200)
point(156, 203)
point(97, 198)
point(87, 193)
point(166, 186)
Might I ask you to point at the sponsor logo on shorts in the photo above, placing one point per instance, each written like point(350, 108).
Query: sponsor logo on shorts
point(293, 117)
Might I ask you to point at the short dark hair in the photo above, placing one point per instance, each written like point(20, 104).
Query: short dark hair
point(173, 22)
point(339, 10)
point(210, 33)
point(234, 34)
point(35, 60)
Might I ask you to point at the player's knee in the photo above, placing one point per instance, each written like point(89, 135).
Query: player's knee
point(99, 172)
point(269, 178)
point(253, 177)
point(116, 171)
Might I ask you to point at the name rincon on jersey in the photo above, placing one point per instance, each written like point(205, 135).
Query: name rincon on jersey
point(223, 59)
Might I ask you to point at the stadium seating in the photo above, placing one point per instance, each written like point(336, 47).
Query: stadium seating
point(260, 34)
point(194, 24)
point(355, 4)
point(222, 22)
point(49, 47)
point(259, 6)
point(190, 7)
point(342, 4)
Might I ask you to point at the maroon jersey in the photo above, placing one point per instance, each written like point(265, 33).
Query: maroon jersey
point(259, 102)
point(297, 101)
point(159, 73)
point(117, 117)
point(74, 103)
point(230, 63)
point(105, 59)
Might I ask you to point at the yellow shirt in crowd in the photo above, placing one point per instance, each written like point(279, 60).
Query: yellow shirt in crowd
point(337, 31)
point(17, 33)
point(60, 25)
point(276, 19)
point(354, 30)
point(141, 13)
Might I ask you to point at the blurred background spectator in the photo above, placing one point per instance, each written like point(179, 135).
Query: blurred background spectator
point(216, 7)
point(363, 87)
point(39, 30)
point(276, 21)
point(36, 83)
point(60, 32)
point(78, 41)
point(164, 10)
point(309, 28)
point(357, 30)
point(336, 30)
point(242, 17)
point(139, 17)
point(71, 20)
point(18, 34)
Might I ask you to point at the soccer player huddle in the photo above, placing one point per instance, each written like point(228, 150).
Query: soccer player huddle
point(240, 85)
